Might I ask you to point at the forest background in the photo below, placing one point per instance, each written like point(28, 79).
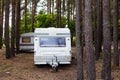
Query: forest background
point(94, 24)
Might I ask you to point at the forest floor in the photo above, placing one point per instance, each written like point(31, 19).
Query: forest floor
point(22, 67)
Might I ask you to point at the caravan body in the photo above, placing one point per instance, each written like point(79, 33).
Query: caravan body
point(27, 41)
point(52, 46)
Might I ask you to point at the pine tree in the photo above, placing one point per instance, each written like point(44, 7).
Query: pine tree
point(115, 33)
point(13, 29)
point(90, 61)
point(8, 53)
point(106, 71)
point(78, 43)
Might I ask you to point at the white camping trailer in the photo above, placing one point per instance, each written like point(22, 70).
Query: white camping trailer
point(27, 41)
point(52, 46)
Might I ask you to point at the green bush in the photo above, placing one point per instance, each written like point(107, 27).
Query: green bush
point(74, 41)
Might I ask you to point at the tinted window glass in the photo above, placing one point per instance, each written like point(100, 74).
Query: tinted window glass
point(52, 42)
point(26, 39)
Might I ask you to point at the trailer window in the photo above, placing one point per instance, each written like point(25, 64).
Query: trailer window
point(26, 39)
point(52, 42)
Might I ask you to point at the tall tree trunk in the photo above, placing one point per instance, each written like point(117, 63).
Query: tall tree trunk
point(73, 9)
point(17, 25)
point(101, 26)
point(52, 21)
point(115, 33)
point(95, 25)
point(34, 5)
point(68, 13)
point(8, 54)
point(83, 28)
point(78, 43)
point(59, 13)
point(106, 71)
point(63, 8)
point(13, 29)
point(1, 22)
point(48, 6)
point(25, 16)
point(90, 61)
point(98, 30)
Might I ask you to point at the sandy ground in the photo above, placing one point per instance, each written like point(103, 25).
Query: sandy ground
point(22, 67)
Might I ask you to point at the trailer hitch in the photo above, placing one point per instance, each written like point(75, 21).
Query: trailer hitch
point(55, 64)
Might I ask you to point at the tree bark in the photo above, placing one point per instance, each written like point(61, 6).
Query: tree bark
point(34, 5)
point(25, 16)
point(63, 8)
point(48, 6)
point(52, 13)
point(1, 22)
point(90, 61)
point(95, 26)
point(115, 33)
point(8, 53)
point(13, 29)
point(58, 13)
point(78, 44)
point(68, 13)
point(17, 25)
point(98, 30)
point(106, 71)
